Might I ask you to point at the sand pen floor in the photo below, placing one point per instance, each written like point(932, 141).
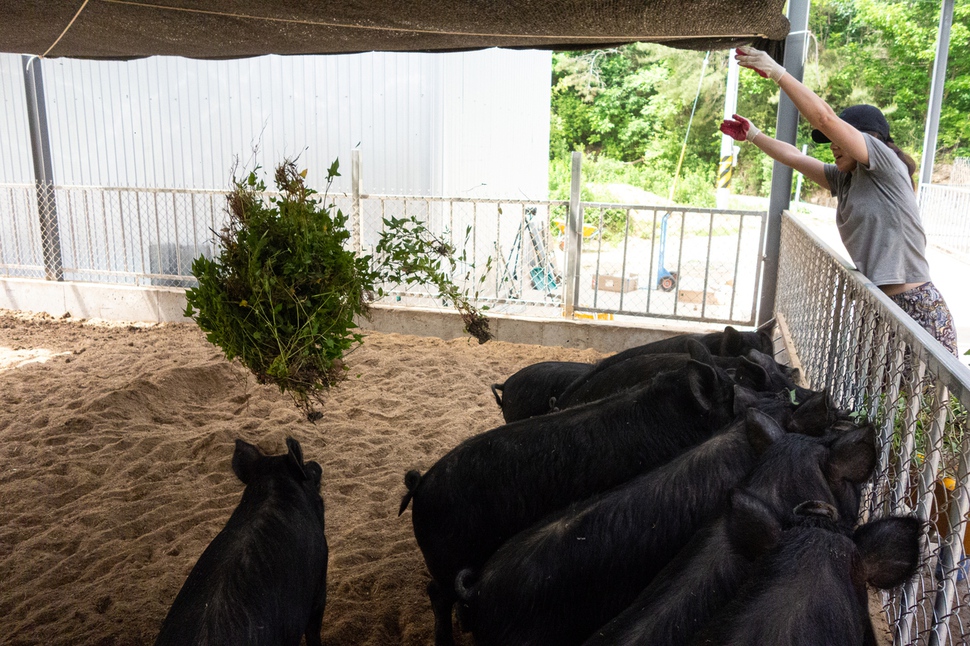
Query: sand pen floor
point(115, 451)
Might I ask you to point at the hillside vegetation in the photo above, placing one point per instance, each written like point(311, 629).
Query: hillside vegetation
point(628, 108)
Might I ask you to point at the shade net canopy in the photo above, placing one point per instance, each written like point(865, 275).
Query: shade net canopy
point(220, 29)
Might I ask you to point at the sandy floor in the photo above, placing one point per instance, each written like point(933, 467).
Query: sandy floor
point(115, 449)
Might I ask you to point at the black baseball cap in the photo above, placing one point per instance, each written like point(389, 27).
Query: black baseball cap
point(864, 118)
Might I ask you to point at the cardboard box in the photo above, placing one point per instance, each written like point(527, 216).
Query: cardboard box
point(615, 283)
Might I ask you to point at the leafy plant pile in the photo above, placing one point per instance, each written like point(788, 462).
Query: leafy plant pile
point(285, 293)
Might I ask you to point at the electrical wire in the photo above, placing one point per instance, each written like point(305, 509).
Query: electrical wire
point(683, 148)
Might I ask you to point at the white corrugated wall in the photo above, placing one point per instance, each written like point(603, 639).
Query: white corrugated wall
point(459, 124)
point(15, 161)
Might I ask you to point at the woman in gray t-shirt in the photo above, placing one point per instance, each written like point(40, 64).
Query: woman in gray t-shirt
point(872, 178)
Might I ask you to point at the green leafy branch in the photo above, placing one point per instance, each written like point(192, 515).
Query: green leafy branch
point(410, 253)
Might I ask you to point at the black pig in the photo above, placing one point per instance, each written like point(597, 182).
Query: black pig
point(707, 573)
point(499, 482)
point(263, 578)
point(755, 371)
point(729, 343)
point(556, 582)
point(809, 586)
point(528, 392)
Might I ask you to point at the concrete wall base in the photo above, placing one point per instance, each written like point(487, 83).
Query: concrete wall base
point(605, 336)
point(94, 300)
point(167, 304)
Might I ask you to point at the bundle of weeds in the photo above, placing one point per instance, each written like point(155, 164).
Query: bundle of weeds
point(411, 253)
point(284, 293)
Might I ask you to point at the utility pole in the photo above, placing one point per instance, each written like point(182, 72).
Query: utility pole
point(729, 151)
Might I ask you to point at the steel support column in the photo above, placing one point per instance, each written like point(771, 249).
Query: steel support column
point(43, 168)
point(781, 176)
point(936, 93)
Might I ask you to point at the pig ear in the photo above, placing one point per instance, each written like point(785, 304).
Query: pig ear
point(889, 549)
point(732, 343)
point(314, 472)
point(295, 458)
point(744, 398)
point(762, 430)
point(853, 455)
point(767, 338)
point(702, 380)
point(699, 352)
point(767, 362)
point(751, 372)
point(244, 460)
point(751, 527)
point(813, 416)
point(760, 358)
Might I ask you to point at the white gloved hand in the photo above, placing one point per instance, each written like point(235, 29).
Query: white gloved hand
point(760, 62)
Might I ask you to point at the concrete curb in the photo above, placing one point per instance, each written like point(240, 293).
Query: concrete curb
point(167, 304)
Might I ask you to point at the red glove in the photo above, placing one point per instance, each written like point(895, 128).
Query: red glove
point(739, 128)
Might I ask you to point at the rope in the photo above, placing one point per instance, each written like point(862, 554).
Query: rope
point(324, 23)
point(80, 9)
point(683, 149)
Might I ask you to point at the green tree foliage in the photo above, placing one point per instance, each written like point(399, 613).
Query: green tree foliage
point(632, 104)
point(882, 52)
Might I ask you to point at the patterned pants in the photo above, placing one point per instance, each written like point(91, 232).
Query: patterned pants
point(926, 306)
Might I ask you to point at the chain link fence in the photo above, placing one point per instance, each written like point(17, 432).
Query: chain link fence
point(847, 337)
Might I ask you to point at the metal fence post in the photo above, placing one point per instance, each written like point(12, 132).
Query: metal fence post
point(43, 168)
point(356, 217)
point(786, 130)
point(936, 93)
point(574, 239)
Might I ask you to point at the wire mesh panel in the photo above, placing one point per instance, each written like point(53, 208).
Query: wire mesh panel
point(504, 251)
point(108, 235)
point(852, 340)
point(509, 255)
point(136, 236)
point(944, 210)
